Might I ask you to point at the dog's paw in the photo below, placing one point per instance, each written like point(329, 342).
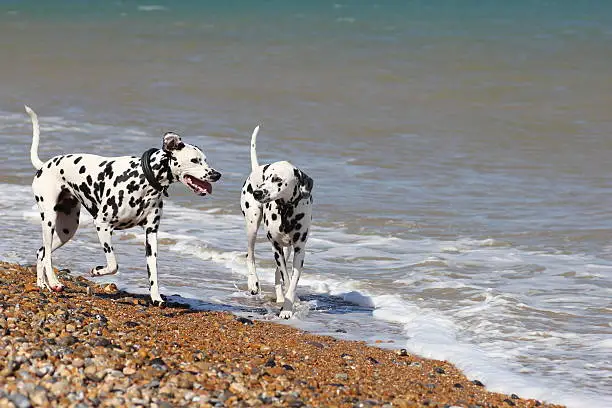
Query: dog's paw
point(54, 284)
point(97, 271)
point(253, 286)
point(285, 314)
point(103, 270)
point(159, 303)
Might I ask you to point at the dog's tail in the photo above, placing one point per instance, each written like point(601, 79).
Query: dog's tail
point(36, 162)
point(254, 163)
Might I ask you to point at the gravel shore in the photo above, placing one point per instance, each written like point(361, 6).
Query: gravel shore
point(95, 346)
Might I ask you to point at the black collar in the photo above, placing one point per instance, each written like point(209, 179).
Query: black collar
point(145, 162)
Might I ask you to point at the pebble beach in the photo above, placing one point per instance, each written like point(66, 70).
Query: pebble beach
point(94, 345)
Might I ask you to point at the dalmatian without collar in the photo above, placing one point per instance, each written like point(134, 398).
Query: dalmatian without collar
point(119, 193)
point(280, 194)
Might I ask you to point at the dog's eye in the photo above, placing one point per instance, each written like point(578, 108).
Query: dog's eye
point(196, 161)
point(276, 179)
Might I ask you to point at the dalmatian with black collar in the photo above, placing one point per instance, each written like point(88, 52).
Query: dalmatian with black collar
point(118, 192)
point(280, 194)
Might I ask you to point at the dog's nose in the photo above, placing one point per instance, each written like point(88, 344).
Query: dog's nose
point(215, 175)
point(258, 194)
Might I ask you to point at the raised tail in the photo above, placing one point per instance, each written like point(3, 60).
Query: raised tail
point(36, 162)
point(254, 163)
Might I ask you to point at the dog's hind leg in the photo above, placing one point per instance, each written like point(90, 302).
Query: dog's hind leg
point(49, 278)
point(253, 219)
point(45, 195)
point(105, 233)
point(287, 252)
point(67, 212)
point(66, 223)
point(280, 281)
point(278, 286)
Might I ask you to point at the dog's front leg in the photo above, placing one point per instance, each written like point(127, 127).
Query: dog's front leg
point(151, 253)
point(105, 233)
point(298, 264)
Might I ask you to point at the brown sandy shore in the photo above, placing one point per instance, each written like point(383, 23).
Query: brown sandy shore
point(94, 346)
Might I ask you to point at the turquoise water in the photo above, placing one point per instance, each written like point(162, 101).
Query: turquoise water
point(460, 152)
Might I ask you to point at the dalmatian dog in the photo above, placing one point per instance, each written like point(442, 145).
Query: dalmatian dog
point(119, 193)
point(280, 194)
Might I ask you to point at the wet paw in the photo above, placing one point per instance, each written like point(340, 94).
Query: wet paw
point(285, 314)
point(159, 303)
point(96, 271)
point(253, 285)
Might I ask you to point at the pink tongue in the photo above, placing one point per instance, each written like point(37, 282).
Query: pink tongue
point(205, 185)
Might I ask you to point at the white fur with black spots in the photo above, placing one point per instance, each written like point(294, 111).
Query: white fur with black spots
point(280, 194)
point(119, 193)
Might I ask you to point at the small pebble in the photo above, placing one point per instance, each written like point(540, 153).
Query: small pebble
point(158, 364)
point(244, 321)
point(39, 397)
point(101, 342)
point(237, 388)
point(110, 289)
point(66, 340)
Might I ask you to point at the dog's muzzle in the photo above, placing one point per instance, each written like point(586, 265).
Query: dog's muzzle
point(214, 175)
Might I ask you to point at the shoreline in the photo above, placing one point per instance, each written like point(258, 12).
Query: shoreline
point(94, 345)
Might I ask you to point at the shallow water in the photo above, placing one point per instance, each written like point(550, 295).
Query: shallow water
point(459, 152)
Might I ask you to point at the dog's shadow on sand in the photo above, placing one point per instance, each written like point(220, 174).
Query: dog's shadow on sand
point(347, 303)
point(253, 306)
point(179, 302)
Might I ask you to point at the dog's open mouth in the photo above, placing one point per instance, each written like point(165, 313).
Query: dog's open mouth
point(200, 187)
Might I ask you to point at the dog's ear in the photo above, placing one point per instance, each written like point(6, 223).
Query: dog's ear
point(172, 141)
point(306, 184)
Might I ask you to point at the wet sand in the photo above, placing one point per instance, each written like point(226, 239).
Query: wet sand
point(93, 345)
